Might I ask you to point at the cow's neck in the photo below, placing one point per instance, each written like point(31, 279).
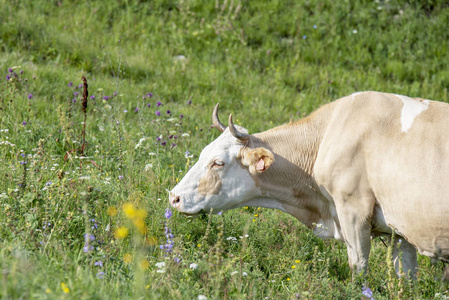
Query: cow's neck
point(289, 181)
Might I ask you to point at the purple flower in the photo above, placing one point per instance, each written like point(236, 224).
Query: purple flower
point(8, 77)
point(22, 154)
point(149, 104)
point(315, 27)
point(81, 85)
point(149, 95)
point(168, 213)
point(181, 116)
point(304, 37)
point(158, 138)
point(125, 111)
point(115, 93)
point(136, 110)
point(189, 102)
point(168, 112)
point(175, 136)
point(366, 291)
point(92, 97)
point(88, 248)
point(30, 96)
point(24, 123)
point(70, 84)
point(98, 263)
point(49, 183)
point(173, 145)
point(177, 260)
point(164, 143)
point(75, 94)
point(106, 98)
point(90, 237)
point(120, 177)
point(10, 70)
point(21, 72)
point(158, 103)
point(220, 213)
point(158, 113)
point(100, 275)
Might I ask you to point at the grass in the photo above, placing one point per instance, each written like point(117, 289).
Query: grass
point(84, 217)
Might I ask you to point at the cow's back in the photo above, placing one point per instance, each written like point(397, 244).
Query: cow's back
point(396, 149)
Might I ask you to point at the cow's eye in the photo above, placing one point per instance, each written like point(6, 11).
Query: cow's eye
point(217, 163)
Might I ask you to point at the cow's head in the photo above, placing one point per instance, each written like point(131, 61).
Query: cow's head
point(224, 176)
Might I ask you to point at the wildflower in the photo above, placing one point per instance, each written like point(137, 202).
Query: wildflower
point(112, 211)
point(100, 275)
point(80, 85)
point(293, 267)
point(115, 94)
point(158, 113)
point(106, 98)
point(149, 95)
point(193, 266)
point(189, 102)
point(30, 96)
point(168, 213)
point(366, 291)
point(129, 210)
point(98, 263)
point(144, 264)
point(304, 37)
point(65, 288)
point(148, 167)
point(168, 112)
point(202, 297)
point(70, 84)
point(181, 116)
point(24, 123)
point(21, 72)
point(160, 265)
point(136, 110)
point(234, 272)
point(8, 77)
point(297, 261)
point(121, 232)
point(48, 183)
point(220, 213)
point(159, 103)
point(92, 97)
point(354, 31)
point(315, 27)
point(75, 94)
point(10, 70)
point(164, 143)
point(127, 258)
point(125, 111)
point(244, 274)
point(120, 177)
point(148, 104)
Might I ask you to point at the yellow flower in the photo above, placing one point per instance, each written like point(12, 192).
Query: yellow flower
point(121, 232)
point(129, 210)
point(147, 287)
point(144, 264)
point(288, 278)
point(297, 261)
point(112, 211)
point(127, 258)
point(199, 245)
point(254, 220)
point(256, 215)
point(140, 224)
point(48, 291)
point(293, 266)
point(65, 288)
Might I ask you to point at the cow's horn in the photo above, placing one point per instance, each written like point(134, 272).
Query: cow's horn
point(240, 135)
point(216, 121)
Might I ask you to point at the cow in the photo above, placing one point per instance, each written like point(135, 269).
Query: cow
point(357, 168)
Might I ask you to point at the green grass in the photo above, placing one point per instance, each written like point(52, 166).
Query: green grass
point(267, 62)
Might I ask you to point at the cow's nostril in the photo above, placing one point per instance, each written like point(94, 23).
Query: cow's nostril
point(177, 200)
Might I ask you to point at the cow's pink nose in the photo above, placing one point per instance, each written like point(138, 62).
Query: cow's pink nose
point(174, 200)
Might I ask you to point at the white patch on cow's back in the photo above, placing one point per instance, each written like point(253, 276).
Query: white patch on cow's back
point(410, 110)
point(355, 94)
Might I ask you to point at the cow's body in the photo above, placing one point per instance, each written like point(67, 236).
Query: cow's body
point(354, 169)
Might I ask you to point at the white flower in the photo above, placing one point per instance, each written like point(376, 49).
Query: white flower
point(231, 238)
point(148, 166)
point(179, 58)
point(234, 272)
point(354, 31)
point(160, 265)
point(202, 297)
point(244, 274)
point(160, 271)
point(193, 266)
point(140, 142)
point(185, 134)
point(151, 154)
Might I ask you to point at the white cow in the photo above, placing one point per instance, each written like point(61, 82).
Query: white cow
point(360, 166)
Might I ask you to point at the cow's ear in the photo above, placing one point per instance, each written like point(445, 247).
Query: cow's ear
point(258, 160)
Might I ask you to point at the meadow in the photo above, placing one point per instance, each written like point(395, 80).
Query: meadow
point(85, 170)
